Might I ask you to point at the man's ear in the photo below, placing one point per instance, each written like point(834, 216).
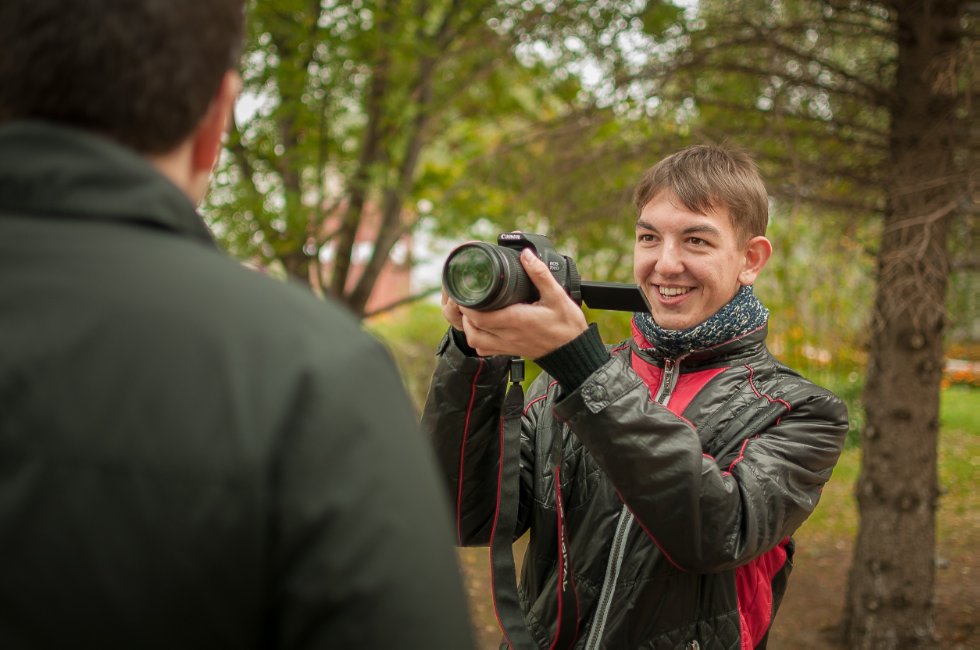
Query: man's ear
point(758, 250)
point(207, 138)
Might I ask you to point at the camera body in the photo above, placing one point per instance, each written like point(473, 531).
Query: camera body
point(486, 277)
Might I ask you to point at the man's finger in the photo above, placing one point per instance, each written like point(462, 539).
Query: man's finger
point(542, 278)
point(451, 312)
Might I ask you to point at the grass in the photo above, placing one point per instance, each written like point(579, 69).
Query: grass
point(959, 456)
point(959, 408)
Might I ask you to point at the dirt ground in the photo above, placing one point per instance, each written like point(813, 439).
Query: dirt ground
point(814, 602)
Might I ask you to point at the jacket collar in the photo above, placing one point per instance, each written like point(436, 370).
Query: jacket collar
point(56, 171)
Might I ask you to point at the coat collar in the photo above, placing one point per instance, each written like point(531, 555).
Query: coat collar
point(50, 170)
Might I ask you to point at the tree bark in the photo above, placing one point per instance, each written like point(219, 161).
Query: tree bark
point(372, 154)
point(890, 591)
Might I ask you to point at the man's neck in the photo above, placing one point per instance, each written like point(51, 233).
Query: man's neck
point(176, 166)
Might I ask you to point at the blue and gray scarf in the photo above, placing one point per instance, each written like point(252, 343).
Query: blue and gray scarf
point(741, 315)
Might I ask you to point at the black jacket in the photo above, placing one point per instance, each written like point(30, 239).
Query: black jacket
point(193, 455)
point(678, 517)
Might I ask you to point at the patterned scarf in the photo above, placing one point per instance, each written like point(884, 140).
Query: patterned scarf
point(741, 315)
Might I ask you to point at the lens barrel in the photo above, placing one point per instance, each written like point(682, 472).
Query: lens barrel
point(485, 277)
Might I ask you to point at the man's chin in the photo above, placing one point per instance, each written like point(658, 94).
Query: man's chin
point(672, 321)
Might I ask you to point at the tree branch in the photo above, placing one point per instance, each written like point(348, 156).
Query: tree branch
point(425, 293)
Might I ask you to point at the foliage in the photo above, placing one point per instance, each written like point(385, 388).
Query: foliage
point(817, 287)
point(367, 114)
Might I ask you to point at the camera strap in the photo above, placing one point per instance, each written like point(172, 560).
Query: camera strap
point(503, 568)
point(506, 603)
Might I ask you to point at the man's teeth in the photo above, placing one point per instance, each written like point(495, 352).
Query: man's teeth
point(668, 292)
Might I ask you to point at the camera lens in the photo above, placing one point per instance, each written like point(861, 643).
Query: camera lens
point(485, 277)
point(471, 273)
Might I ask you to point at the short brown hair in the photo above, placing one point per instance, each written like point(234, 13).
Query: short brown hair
point(706, 177)
point(142, 72)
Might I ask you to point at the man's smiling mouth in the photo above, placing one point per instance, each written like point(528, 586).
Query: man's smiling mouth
point(671, 292)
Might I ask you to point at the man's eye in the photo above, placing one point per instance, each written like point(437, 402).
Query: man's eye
point(697, 241)
point(644, 237)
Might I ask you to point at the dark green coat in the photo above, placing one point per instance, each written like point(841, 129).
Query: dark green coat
point(193, 455)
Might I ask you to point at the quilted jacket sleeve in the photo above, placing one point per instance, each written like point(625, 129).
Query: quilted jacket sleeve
point(704, 516)
point(462, 418)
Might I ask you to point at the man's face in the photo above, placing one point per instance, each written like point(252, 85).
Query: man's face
point(688, 265)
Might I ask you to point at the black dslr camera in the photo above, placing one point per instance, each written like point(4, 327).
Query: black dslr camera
point(486, 277)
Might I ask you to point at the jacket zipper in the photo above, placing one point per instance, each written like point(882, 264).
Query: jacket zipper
point(668, 381)
point(615, 562)
point(623, 527)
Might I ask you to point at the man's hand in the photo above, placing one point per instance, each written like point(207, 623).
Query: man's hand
point(529, 330)
point(451, 312)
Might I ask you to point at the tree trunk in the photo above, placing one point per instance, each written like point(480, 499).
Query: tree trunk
point(890, 590)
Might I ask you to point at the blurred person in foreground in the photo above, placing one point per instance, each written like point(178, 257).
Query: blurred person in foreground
point(660, 478)
point(192, 455)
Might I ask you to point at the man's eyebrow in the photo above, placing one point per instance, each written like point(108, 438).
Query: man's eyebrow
point(701, 228)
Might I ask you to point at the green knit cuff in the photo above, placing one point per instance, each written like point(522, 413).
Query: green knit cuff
point(572, 363)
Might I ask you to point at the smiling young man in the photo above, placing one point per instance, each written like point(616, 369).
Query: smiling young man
point(661, 478)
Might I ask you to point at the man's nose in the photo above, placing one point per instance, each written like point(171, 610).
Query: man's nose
point(670, 261)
